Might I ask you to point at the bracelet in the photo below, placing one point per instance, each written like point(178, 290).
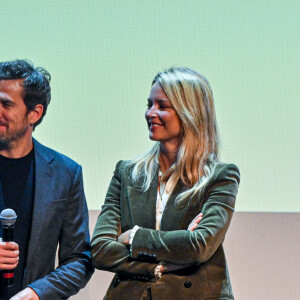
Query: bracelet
point(159, 270)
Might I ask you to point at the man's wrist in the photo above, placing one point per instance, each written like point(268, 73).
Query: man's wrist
point(27, 294)
point(34, 293)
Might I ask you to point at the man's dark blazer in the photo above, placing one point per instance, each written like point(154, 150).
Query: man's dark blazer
point(60, 216)
point(203, 270)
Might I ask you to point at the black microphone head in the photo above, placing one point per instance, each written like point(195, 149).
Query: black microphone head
point(8, 217)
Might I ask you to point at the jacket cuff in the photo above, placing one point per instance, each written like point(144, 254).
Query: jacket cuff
point(139, 249)
point(132, 234)
point(35, 289)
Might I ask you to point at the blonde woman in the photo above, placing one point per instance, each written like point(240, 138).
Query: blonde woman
point(166, 212)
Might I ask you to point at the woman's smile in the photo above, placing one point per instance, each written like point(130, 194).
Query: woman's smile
point(163, 122)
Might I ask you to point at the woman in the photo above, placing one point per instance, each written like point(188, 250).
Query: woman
point(149, 231)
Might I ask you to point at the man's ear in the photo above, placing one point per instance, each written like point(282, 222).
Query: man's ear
point(35, 114)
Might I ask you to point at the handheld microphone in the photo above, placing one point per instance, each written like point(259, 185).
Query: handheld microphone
point(8, 218)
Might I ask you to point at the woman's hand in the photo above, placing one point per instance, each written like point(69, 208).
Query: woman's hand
point(124, 237)
point(169, 267)
point(195, 222)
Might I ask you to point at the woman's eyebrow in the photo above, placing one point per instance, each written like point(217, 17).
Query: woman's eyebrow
point(159, 100)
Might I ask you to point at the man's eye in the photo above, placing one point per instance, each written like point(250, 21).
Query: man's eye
point(7, 104)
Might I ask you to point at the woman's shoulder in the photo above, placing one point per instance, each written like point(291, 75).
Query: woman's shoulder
point(221, 166)
point(221, 170)
point(123, 167)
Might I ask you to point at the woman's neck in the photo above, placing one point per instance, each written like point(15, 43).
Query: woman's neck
point(167, 157)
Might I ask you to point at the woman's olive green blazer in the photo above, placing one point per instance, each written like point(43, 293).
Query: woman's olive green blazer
point(204, 273)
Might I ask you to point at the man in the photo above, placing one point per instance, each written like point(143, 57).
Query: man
point(45, 189)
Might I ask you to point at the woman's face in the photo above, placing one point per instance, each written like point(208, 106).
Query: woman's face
point(163, 122)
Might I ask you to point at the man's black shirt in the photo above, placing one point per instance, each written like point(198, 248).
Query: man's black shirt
point(17, 193)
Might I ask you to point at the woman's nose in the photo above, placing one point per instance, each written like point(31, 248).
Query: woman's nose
point(151, 112)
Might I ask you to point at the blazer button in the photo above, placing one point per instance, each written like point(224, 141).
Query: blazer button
point(188, 284)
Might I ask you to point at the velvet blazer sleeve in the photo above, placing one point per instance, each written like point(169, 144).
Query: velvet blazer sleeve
point(107, 253)
point(183, 247)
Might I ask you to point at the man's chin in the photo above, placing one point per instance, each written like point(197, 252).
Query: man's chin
point(4, 143)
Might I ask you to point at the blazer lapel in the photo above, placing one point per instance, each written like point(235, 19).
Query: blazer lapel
point(143, 205)
point(175, 218)
point(143, 208)
point(41, 204)
point(172, 215)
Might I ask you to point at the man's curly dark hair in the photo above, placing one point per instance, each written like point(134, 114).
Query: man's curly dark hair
point(36, 83)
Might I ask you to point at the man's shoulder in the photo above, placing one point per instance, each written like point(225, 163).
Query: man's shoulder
point(53, 156)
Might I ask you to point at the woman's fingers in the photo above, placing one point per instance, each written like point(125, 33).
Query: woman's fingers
point(195, 222)
point(193, 227)
point(197, 217)
point(124, 237)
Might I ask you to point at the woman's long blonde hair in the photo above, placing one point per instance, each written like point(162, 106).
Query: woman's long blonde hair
point(191, 96)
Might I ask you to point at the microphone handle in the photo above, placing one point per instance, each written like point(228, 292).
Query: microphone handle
point(7, 276)
point(8, 233)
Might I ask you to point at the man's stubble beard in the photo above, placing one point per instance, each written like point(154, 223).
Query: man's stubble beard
point(6, 139)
